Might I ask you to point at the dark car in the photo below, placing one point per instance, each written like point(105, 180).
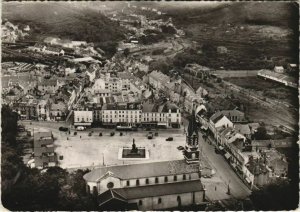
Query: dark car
point(64, 129)
point(180, 148)
point(169, 139)
point(150, 135)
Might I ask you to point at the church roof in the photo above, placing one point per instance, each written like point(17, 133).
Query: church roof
point(160, 189)
point(193, 127)
point(143, 170)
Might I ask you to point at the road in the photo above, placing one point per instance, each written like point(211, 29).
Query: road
point(217, 186)
point(223, 171)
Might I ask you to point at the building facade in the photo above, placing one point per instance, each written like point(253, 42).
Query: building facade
point(148, 186)
point(44, 155)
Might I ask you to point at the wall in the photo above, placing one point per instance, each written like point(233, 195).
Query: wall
point(102, 186)
point(168, 201)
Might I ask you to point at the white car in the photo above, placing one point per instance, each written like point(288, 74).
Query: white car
point(80, 128)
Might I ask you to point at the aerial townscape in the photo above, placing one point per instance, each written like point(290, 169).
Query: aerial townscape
point(148, 106)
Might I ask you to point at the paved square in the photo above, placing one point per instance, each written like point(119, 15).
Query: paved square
point(84, 151)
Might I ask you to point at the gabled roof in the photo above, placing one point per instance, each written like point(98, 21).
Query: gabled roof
point(160, 189)
point(216, 117)
point(243, 128)
point(143, 170)
point(109, 195)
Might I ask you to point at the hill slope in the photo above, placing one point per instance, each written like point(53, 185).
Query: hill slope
point(63, 19)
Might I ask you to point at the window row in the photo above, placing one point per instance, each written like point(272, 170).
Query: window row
point(156, 180)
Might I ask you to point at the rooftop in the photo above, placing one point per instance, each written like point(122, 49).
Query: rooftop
point(143, 170)
point(160, 190)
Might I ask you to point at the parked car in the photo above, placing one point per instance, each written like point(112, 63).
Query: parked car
point(169, 139)
point(112, 133)
point(64, 129)
point(180, 148)
point(150, 135)
point(80, 128)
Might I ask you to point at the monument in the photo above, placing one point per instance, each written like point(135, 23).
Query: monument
point(133, 153)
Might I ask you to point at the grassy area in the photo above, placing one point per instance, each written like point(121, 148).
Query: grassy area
point(267, 88)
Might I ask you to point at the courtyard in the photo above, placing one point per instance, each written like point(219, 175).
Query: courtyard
point(86, 150)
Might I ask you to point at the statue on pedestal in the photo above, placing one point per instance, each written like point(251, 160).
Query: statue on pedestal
point(134, 149)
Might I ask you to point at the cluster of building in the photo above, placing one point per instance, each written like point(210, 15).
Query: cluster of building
point(44, 155)
point(257, 165)
point(152, 186)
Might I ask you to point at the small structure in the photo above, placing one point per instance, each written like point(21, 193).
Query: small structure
point(133, 153)
point(279, 69)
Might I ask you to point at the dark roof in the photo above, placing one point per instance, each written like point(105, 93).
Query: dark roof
point(216, 117)
point(160, 189)
point(108, 195)
point(193, 127)
point(143, 170)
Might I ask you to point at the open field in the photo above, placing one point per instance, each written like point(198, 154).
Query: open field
point(267, 88)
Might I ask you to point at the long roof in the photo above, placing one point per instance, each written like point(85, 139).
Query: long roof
point(143, 170)
point(160, 189)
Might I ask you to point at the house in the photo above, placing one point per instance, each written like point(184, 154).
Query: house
point(26, 107)
point(201, 92)
point(113, 84)
point(244, 129)
point(58, 111)
point(279, 69)
point(48, 86)
point(83, 118)
point(43, 110)
point(91, 74)
point(235, 116)
point(218, 120)
point(259, 172)
point(277, 162)
point(158, 80)
point(147, 186)
point(44, 155)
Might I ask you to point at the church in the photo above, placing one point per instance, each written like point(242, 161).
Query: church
point(151, 186)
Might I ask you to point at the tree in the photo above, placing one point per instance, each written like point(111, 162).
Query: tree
point(271, 197)
point(261, 133)
point(126, 52)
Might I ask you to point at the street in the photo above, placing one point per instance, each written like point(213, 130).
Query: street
point(217, 186)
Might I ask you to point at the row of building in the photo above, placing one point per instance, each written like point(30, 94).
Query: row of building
point(164, 114)
point(257, 165)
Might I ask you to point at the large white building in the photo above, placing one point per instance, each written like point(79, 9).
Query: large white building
point(147, 186)
point(83, 118)
point(165, 115)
